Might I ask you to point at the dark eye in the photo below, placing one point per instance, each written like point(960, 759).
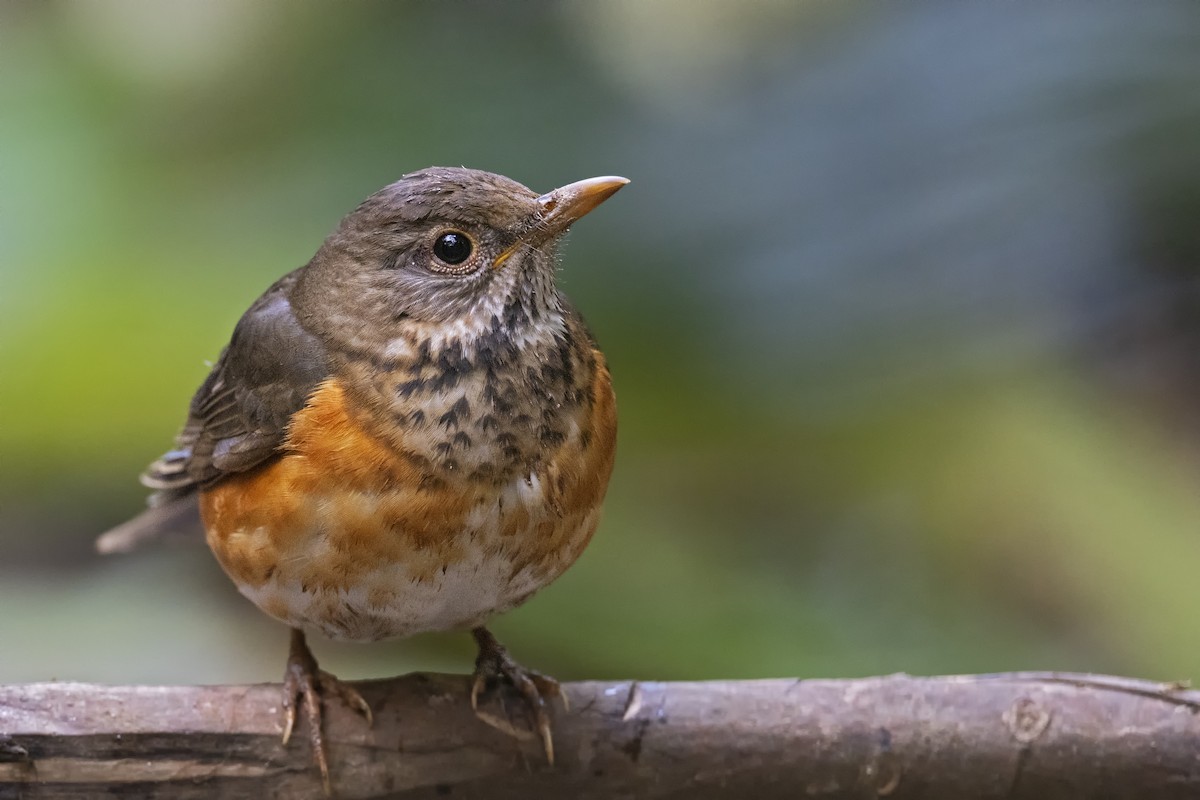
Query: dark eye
point(453, 247)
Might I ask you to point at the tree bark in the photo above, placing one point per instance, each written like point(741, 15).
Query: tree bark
point(1018, 735)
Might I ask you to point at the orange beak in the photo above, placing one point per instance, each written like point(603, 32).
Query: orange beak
point(563, 206)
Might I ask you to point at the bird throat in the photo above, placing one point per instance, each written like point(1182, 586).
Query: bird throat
point(482, 400)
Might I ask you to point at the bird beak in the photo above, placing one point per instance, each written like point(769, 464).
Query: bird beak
point(563, 206)
point(566, 204)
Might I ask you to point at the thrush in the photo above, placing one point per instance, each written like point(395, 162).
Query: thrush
point(412, 432)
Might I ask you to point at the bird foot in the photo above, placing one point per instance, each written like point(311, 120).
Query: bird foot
point(304, 682)
point(494, 664)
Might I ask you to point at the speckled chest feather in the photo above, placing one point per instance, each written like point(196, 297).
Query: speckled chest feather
point(431, 485)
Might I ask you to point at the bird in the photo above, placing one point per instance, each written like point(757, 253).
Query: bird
point(412, 432)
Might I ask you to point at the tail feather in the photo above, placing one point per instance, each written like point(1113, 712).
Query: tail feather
point(179, 513)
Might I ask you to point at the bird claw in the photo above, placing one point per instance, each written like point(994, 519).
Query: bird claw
point(304, 681)
point(504, 725)
point(348, 695)
point(495, 664)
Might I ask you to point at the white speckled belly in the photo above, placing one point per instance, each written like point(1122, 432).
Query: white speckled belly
point(491, 571)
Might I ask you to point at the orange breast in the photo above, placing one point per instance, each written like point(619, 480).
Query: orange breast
point(349, 535)
point(331, 472)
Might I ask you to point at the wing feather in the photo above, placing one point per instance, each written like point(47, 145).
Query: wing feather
point(238, 417)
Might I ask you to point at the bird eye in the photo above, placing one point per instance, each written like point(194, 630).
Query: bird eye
point(453, 247)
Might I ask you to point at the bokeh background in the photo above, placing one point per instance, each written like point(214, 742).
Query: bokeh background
point(902, 306)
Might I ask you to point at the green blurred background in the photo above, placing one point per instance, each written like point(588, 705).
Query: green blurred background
point(902, 307)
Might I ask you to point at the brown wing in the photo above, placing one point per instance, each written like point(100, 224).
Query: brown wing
point(238, 417)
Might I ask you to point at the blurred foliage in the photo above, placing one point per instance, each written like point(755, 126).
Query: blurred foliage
point(902, 309)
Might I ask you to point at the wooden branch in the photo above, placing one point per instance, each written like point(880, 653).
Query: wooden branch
point(1020, 735)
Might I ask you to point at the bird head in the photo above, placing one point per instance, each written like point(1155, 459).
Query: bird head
point(450, 247)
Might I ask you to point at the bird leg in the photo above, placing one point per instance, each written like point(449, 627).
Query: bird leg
point(493, 664)
point(304, 682)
